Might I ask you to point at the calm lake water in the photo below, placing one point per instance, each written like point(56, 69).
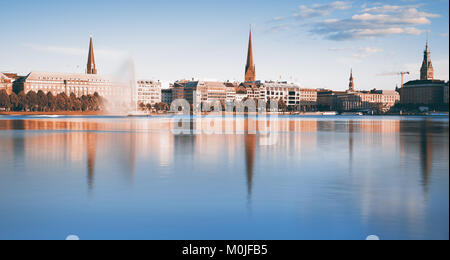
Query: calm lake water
point(317, 178)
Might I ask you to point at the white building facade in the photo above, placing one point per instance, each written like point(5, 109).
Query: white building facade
point(149, 92)
point(292, 94)
point(79, 84)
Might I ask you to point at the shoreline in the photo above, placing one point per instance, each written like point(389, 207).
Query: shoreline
point(53, 114)
point(98, 113)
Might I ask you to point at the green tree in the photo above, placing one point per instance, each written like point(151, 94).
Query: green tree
point(4, 100)
point(84, 103)
point(74, 102)
point(32, 100)
point(14, 101)
point(51, 102)
point(282, 105)
point(149, 107)
point(162, 107)
point(22, 101)
point(61, 102)
point(42, 101)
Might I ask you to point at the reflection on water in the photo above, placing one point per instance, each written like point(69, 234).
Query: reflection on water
point(426, 153)
point(250, 147)
point(91, 147)
point(314, 178)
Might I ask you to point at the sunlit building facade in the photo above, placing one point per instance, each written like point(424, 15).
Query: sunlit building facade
point(294, 96)
point(57, 83)
point(368, 100)
point(200, 91)
point(148, 92)
point(356, 100)
point(76, 83)
point(428, 91)
point(5, 83)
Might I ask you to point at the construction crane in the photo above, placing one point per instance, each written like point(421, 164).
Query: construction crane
point(402, 74)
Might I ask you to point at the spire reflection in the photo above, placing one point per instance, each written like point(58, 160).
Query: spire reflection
point(91, 144)
point(250, 147)
point(426, 154)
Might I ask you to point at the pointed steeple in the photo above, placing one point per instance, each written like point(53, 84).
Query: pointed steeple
point(352, 83)
point(250, 69)
point(427, 70)
point(91, 69)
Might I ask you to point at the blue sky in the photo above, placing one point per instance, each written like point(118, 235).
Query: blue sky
point(313, 43)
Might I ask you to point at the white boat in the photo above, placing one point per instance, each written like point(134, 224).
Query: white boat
point(330, 113)
point(138, 114)
point(352, 114)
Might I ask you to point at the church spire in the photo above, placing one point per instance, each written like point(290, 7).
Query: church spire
point(91, 69)
point(352, 83)
point(250, 69)
point(427, 70)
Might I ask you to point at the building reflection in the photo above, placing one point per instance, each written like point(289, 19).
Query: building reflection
point(88, 141)
point(91, 144)
point(426, 153)
point(250, 147)
point(421, 147)
point(351, 129)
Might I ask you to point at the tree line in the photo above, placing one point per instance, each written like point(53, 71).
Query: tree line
point(158, 107)
point(41, 102)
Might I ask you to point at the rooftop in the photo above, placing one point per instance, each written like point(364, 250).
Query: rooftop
point(39, 75)
point(425, 82)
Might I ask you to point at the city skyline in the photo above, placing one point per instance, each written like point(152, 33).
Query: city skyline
point(218, 47)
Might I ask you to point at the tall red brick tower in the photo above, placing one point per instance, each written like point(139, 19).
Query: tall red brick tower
point(91, 69)
point(427, 70)
point(250, 69)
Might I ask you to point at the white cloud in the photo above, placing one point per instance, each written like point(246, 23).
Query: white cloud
point(366, 52)
point(320, 10)
point(375, 22)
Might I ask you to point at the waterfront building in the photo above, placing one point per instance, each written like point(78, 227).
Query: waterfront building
point(428, 91)
point(250, 68)
point(231, 91)
point(148, 92)
point(254, 90)
point(6, 83)
point(178, 90)
point(12, 76)
point(77, 83)
point(327, 100)
point(212, 91)
point(354, 100)
point(381, 100)
point(166, 96)
point(200, 91)
point(295, 97)
point(241, 94)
